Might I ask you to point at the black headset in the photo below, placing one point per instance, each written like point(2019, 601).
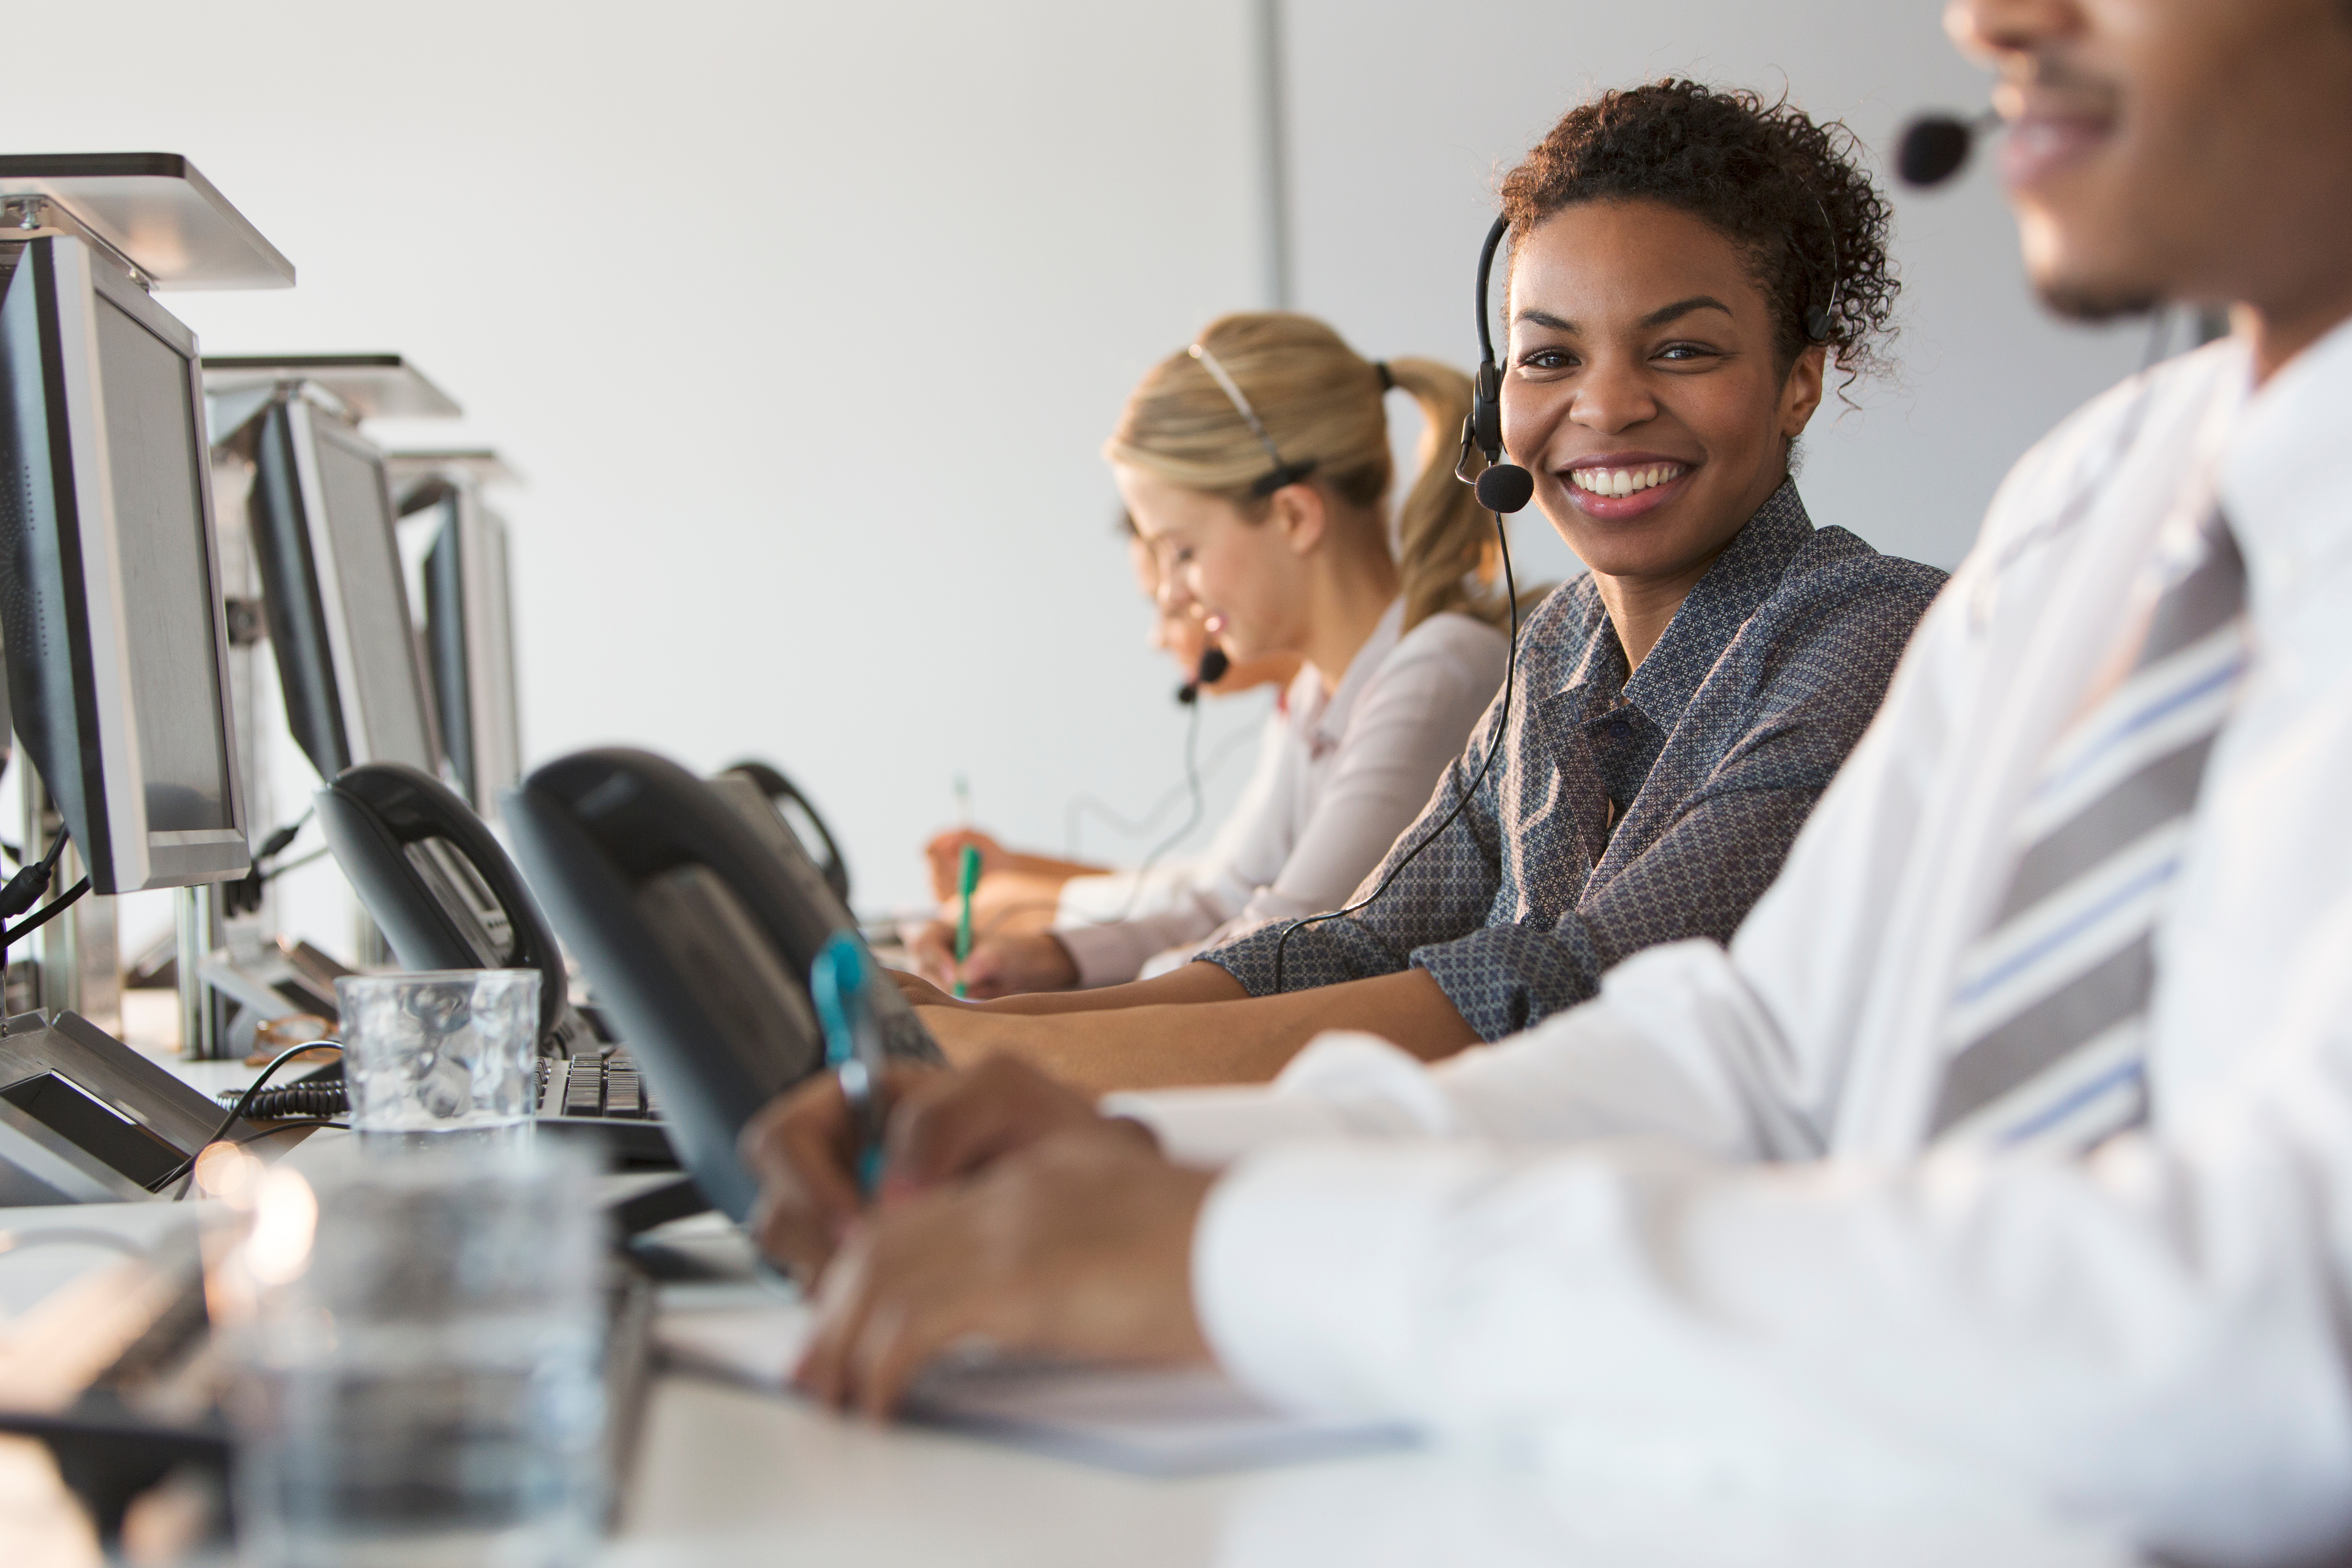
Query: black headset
point(1214, 666)
point(1819, 318)
point(1502, 487)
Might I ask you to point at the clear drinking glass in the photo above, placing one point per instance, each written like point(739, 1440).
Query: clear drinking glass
point(419, 1370)
point(441, 1052)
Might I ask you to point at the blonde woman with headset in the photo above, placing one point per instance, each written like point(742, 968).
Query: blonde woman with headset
point(1277, 553)
point(1021, 893)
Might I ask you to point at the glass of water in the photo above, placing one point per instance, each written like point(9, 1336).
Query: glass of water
point(441, 1052)
point(418, 1381)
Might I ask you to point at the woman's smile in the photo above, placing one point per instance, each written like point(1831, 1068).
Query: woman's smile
point(1614, 486)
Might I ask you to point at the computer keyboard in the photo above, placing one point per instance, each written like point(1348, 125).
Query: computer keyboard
point(595, 1086)
point(603, 1097)
point(607, 1098)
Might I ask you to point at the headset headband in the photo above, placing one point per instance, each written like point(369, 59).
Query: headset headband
point(1282, 473)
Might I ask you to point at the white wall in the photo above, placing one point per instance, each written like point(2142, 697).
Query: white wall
point(805, 322)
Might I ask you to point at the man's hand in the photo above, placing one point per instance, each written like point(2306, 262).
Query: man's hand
point(943, 1126)
point(804, 1149)
point(1080, 1246)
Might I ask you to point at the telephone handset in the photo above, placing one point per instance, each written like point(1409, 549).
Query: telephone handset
point(697, 914)
point(443, 892)
point(801, 817)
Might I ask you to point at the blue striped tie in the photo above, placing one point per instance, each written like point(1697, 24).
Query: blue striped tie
point(2046, 1035)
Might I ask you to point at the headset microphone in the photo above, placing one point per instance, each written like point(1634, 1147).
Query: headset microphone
point(1934, 146)
point(1214, 665)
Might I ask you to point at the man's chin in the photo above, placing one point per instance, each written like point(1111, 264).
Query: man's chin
point(2082, 287)
point(2092, 302)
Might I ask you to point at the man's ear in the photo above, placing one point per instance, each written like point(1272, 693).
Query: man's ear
point(1801, 394)
point(1299, 512)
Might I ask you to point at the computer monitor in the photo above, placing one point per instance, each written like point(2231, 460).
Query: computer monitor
point(110, 577)
point(469, 638)
point(336, 596)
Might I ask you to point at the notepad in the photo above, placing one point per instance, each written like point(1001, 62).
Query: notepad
point(1145, 1421)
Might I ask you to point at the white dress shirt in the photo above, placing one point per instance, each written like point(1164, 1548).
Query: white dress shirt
point(1567, 1239)
point(1342, 774)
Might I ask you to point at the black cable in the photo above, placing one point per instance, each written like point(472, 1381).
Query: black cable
point(296, 864)
point(1193, 781)
point(243, 896)
point(24, 890)
point(294, 1102)
point(1103, 812)
point(25, 887)
point(44, 915)
point(1502, 734)
point(276, 844)
point(185, 1173)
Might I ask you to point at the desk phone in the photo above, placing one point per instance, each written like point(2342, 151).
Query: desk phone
point(697, 913)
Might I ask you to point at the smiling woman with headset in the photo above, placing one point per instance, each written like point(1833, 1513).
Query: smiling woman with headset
point(1257, 468)
point(1683, 263)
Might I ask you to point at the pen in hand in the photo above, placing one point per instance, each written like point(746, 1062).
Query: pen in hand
point(967, 879)
point(853, 1046)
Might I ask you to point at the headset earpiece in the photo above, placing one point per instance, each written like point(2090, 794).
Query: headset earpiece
point(1820, 319)
point(1502, 486)
point(1487, 409)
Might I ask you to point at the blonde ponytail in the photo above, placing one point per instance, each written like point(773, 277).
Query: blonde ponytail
point(1320, 405)
point(1445, 546)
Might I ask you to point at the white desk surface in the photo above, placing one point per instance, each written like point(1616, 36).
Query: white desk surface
point(725, 1476)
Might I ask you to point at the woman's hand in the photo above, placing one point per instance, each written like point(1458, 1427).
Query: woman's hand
point(932, 947)
point(945, 853)
point(943, 1126)
point(1080, 1246)
point(999, 966)
point(919, 992)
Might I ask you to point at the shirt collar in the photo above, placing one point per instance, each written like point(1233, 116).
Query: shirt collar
point(1741, 579)
point(2287, 471)
point(1321, 719)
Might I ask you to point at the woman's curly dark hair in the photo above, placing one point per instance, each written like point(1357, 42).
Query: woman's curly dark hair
point(1788, 191)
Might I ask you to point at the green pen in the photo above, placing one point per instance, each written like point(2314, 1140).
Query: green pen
point(967, 879)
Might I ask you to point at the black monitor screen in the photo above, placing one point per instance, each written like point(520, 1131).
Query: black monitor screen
point(152, 439)
point(376, 606)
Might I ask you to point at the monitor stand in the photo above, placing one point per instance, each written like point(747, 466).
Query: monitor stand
point(269, 978)
point(151, 212)
point(85, 1118)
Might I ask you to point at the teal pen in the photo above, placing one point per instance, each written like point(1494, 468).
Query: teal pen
point(967, 879)
point(852, 1046)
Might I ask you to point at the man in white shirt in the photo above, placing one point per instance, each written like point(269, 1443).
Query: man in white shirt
point(1853, 1188)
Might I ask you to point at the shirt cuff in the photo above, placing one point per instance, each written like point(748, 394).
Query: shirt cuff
point(1304, 1269)
point(1506, 979)
point(1213, 1127)
point(1104, 955)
